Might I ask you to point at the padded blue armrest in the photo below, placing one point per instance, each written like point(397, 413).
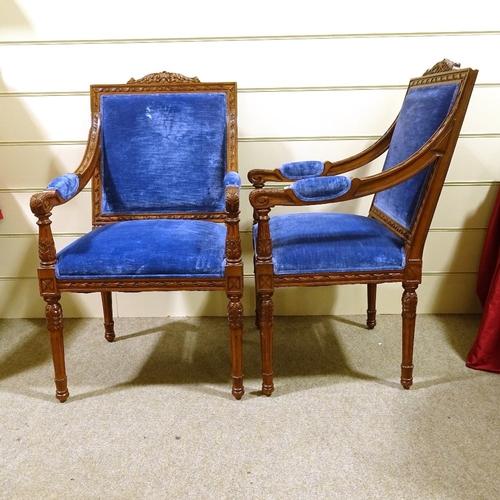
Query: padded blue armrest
point(232, 179)
point(66, 185)
point(302, 169)
point(321, 188)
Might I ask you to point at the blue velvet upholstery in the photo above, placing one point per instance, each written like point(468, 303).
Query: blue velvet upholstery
point(232, 179)
point(146, 248)
point(153, 148)
point(66, 185)
point(302, 169)
point(321, 188)
point(332, 242)
point(423, 111)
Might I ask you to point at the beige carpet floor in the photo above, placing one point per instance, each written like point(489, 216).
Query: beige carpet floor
point(151, 415)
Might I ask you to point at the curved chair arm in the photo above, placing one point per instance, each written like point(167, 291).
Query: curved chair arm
point(65, 187)
point(379, 147)
point(289, 172)
point(332, 189)
point(61, 190)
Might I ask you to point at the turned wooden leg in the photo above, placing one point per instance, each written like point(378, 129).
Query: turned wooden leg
point(235, 317)
point(371, 319)
point(53, 315)
point(409, 302)
point(109, 324)
point(266, 315)
point(257, 310)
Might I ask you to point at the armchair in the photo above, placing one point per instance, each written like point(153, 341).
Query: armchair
point(162, 159)
point(316, 249)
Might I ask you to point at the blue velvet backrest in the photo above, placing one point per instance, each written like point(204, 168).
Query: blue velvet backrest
point(163, 152)
point(423, 111)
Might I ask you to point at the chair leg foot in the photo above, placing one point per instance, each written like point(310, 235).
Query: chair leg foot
point(406, 376)
point(109, 324)
point(109, 334)
point(267, 384)
point(267, 390)
point(238, 390)
point(62, 395)
point(371, 312)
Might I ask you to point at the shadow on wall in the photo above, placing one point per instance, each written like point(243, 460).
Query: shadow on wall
point(26, 166)
point(460, 342)
point(12, 18)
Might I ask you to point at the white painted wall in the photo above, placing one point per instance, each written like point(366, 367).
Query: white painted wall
point(315, 82)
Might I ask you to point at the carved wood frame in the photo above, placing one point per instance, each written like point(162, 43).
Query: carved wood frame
point(436, 154)
point(43, 203)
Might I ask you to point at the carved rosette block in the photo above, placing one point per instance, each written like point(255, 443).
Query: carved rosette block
point(409, 303)
point(235, 314)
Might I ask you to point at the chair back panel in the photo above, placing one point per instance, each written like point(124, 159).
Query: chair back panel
point(163, 152)
point(423, 111)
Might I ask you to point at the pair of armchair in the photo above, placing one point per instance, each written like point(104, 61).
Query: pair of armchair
point(162, 159)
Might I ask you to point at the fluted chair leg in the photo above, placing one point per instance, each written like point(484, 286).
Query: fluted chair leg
point(235, 318)
point(266, 317)
point(409, 314)
point(54, 317)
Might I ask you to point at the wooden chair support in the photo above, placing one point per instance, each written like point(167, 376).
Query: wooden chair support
point(385, 246)
point(171, 189)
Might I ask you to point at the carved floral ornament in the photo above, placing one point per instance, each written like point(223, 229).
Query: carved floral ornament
point(442, 66)
point(164, 77)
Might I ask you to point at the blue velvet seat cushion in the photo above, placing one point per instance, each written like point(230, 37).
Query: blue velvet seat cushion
point(157, 248)
point(330, 242)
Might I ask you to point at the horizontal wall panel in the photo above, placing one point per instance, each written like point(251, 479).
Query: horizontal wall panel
point(28, 20)
point(72, 217)
point(18, 257)
point(311, 86)
point(445, 252)
point(272, 154)
point(303, 62)
point(20, 299)
point(467, 207)
point(45, 118)
point(33, 166)
point(460, 206)
point(475, 159)
point(260, 114)
point(453, 251)
point(19, 254)
point(436, 295)
point(447, 294)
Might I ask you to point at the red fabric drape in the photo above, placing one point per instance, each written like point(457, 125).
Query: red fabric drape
point(485, 352)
